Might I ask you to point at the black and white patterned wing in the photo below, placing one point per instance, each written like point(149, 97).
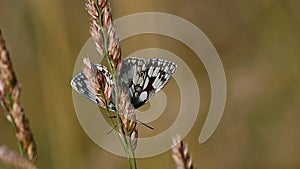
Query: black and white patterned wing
point(105, 73)
point(81, 84)
point(145, 78)
point(160, 71)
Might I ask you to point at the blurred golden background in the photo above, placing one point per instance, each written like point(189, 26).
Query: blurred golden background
point(258, 43)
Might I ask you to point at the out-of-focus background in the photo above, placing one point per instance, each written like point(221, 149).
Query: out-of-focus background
point(258, 43)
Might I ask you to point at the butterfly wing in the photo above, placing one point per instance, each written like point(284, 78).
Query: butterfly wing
point(145, 78)
point(82, 85)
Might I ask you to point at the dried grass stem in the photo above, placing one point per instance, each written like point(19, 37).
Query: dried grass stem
point(10, 101)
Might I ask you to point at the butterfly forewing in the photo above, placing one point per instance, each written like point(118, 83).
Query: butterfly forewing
point(105, 73)
point(80, 84)
point(84, 86)
point(143, 78)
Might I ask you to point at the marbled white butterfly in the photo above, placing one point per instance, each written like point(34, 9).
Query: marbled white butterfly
point(142, 79)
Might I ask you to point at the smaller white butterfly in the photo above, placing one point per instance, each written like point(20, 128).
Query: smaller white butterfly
point(141, 78)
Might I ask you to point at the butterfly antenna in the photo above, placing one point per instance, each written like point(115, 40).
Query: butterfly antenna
point(112, 129)
point(112, 117)
point(145, 125)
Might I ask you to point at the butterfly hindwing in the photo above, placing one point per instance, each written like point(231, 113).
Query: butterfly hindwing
point(145, 78)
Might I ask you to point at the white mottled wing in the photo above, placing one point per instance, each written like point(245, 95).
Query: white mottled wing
point(145, 78)
point(80, 84)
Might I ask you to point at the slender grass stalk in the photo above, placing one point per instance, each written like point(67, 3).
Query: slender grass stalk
point(107, 43)
point(102, 88)
point(10, 91)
